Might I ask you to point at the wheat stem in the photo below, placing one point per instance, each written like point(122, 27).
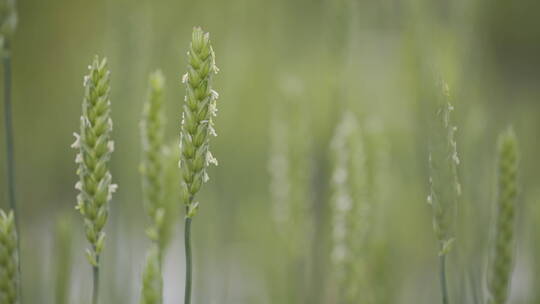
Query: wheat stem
point(95, 280)
point(8, 121)
point(10, 154)
point(187, 240)
point(442, 272)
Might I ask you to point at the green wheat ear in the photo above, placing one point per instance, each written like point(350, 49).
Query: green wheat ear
point(152, 279)
point(503, 254)
point(197, 118)
point(444, 184)
point(9, 260)
point(443, 180)
point(152, 167)
point(95, 146)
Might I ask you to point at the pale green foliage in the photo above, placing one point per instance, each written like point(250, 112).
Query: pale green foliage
point(152, 166)
point(152, 284)
point(443, 179)
point(94, 147)
point(350, 211)
point(197, 119)
point(8, 21)
point(503, 254)
point(9, 260)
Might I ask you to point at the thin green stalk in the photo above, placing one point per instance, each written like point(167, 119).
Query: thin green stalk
point(8, 120)
point(10, 155)
point(444, 287)
point(187, 240)
point(95, 285)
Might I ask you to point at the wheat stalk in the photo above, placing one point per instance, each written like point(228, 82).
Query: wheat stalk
point(152, 171)
point(443, 180)
point(350, 206)
point(503, 251)
point(197, 127)
point(9, 260)
point(8, 24)
point(95, 146)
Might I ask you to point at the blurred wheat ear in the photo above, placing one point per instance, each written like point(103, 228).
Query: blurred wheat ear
point(197, 128)
point(9, 260)
point(503, 246)
point(152, 166)
point(443, 180)
point(95, 146)
point(152, 172)
point(350, 208)
point(152, 283)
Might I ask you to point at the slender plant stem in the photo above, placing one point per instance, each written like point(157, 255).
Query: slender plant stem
point(8, 120)
point(95, 289)
point(187, 239)
point(444, 288)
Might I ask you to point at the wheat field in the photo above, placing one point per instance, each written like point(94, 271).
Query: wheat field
point(269, 152)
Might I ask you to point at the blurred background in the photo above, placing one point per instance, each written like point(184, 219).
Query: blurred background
point(289, 70)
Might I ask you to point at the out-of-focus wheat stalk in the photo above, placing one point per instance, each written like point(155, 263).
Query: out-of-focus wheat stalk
point(8, 24)
point(350, 212)
point(443, 180)
point(503, 246)
point(152, 166)
point(152, 289)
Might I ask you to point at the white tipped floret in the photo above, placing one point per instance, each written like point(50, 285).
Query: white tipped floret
point(110, 145)
point(214, 94)
point(78, 158)
point(112, 189)
point(77, 143)
point(210, 159)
